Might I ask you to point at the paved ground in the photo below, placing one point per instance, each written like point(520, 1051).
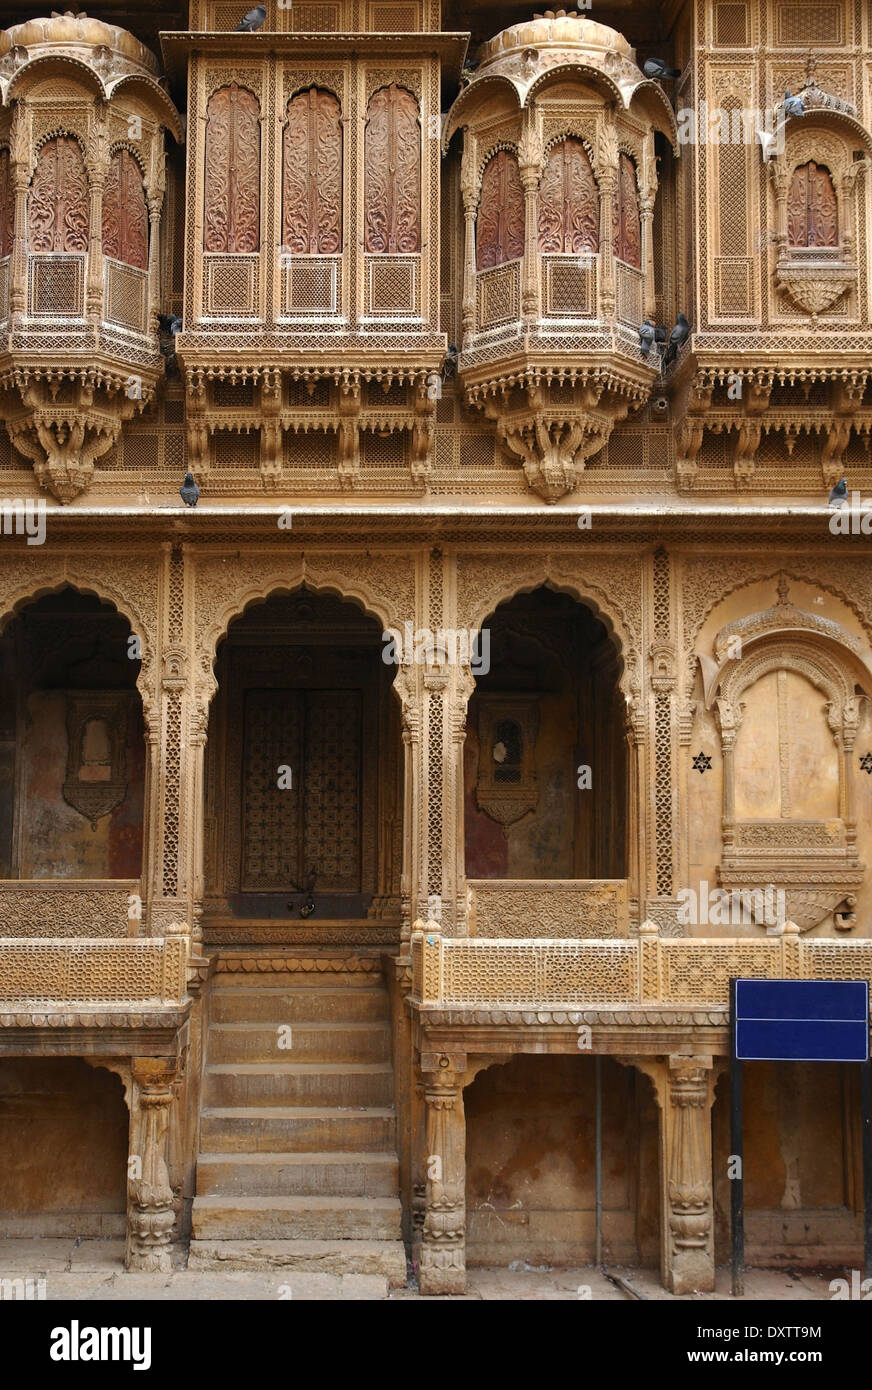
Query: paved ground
point(86, 1270)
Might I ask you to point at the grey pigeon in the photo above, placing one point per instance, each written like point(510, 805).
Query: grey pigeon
point(660, 333)
point(449, 363)
point(253, 20)
point(647, 337)
point(839, 493)
point(170, 323)
point(658, 69)
point(792, 106)
point(677, 338)
point(189, 492)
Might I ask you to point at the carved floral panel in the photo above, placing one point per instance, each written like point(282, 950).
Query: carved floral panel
point(232, 207)
point(7, 204)
point(392, 173)
point(57, 214)
point(568, 201)
point(626, 227)
point(125, 215)
point(812, 207)
point(312, 175)
point(499, 232)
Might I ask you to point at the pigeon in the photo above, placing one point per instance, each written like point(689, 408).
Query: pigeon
point(792, 106)
point(677, 338)
point(647, 337)
point(659, 70)
point(170, 323)
point(189, 492)
point(449, 363)
point(839, 493)
point(253, 20)
point(660, 333)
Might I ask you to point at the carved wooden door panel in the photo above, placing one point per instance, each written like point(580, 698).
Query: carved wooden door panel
point(57, 214)
point(392, 173)
point(7, 204)
point(232, 208)
point(626, 227)
point(312, 175)
point(125, 216)
point(313, 825)
point(812, 208)
point(499, 232)
point(568, 201)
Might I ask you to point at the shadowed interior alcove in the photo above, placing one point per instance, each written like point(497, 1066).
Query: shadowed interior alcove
point(545, 759)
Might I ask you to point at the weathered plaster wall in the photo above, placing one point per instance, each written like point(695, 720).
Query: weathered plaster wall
point(64, 1143)
point(55, 840)
point(530, 1163)
point(801, 1163)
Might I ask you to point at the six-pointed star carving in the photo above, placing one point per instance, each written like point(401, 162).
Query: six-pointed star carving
point(702, 762)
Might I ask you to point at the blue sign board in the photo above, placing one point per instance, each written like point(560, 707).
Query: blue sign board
point(801, 1021)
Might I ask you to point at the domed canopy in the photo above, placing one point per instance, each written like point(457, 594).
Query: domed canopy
point(557, 29)
point(77, 36)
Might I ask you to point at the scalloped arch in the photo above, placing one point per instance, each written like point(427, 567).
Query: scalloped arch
point(33, 69)
point(470, 96)
point(153, 93)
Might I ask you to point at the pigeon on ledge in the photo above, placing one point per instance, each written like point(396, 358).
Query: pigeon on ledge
point(658, 69)
point(677, 338)
point(253, 20)
point(189, 492)
point(839, 493)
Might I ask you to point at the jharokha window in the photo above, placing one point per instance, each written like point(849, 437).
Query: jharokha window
point(232, 208)
point(57, 215)
point(626, 226)
point(569, 212)
point(812, 207)
point(392, 172)
point(499, 232)
point(312, 175)
point(7, 205)
point(125, 216)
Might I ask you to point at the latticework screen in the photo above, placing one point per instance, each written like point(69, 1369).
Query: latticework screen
point(310, 286)
point(126, 301)
point(498, 296)
point(392, 286)
point(230, 286)
point(56, 286)
point(570, 287)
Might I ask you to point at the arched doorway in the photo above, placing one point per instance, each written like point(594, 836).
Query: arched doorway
point(545, 757)
point(303, 771)
point(72, 748)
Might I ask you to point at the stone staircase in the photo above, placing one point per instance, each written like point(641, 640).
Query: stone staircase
point(298, 1166)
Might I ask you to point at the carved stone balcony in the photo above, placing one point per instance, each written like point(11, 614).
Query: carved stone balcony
point(83, 182)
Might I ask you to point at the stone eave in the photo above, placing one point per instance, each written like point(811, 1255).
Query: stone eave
point(177, 46)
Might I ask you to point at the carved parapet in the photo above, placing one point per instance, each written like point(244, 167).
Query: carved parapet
point(149, 970)
point(525, 908)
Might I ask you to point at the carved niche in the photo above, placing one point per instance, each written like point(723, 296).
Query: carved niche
point(788, 713)
point(507, 729)
point(312, 175)
point(569, 213)
point(7, 205)
point(392, 173)
point(96, 780)
point(125, 215)
point(500, 225)
point(232, 202)
point(626, 226)
point(57, 214)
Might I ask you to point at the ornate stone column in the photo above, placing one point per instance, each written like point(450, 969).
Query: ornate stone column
point(97, 164)
point(150, 1214)
point(443, 1236)
point(21, 168)
point(647, 198)
point(470, 209)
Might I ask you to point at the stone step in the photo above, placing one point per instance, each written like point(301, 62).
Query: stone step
point(293, 1005)
point(297, 1129)
point(304, 1042)
point(312, 1174)
point(384, 1257)
point(301, 979)
point(298, 1083)
point(296, 1218)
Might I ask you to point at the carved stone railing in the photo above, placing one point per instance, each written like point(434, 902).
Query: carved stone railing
point(673, 973)
point(569, 286)
point(68, 907)
point(548, 908)
point(111, 973)
point(125, 296)
point(56, 286)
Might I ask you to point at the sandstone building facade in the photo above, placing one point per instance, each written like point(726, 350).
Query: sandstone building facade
point(378, 838)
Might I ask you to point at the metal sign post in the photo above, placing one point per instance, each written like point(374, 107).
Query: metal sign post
point(798, 1021)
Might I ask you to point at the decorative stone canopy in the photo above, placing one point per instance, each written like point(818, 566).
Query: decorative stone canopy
point(76, 36)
